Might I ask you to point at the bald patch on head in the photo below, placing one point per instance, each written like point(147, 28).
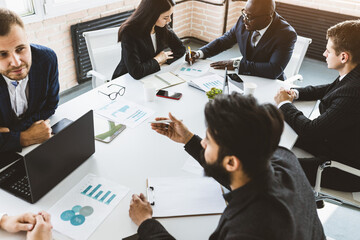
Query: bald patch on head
point(262, 6)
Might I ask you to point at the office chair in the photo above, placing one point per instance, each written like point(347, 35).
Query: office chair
point(292, 69)
point(105, 54)
point(333, 195)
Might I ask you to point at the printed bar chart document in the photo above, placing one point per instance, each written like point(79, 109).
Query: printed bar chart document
point(125, 112)
point(182, 196)
point(85, 206)
point(207, 82)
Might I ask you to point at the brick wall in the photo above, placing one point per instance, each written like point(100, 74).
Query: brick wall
point(195, 19)
point(347, 7)
point(55, 33)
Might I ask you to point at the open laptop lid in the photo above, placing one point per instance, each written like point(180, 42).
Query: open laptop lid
point(52, 161)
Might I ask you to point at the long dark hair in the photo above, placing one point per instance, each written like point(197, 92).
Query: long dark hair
point(145, 16)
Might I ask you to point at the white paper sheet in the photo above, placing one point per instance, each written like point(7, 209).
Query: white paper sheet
point(193, 166)
point(179, 196)
point(213, 80)
point(199, 68)
point(85, 206)
point(125, 112)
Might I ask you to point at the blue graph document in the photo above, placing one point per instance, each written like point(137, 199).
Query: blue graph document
point(213, 81)
point(199, 68)
point(125, 112)
point(86, 206)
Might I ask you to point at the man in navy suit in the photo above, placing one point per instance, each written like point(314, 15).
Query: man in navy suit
point(29, 86)
point(335, 134)
point(266, 42)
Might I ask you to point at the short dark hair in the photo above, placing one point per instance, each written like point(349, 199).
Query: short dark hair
point(7, 19)
point(145, 16)
point(246, 129)
point(346, 38)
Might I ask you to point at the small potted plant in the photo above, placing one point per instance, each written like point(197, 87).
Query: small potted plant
point(213, 92)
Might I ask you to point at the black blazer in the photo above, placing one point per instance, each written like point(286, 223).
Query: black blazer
point(336, 132)
point(270, 56)
point(277, 204)
point(43, 97)
point(137, 53)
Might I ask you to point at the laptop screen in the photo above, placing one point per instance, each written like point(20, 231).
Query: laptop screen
point(56, 158)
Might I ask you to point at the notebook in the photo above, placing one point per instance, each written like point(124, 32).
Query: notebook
point(163, 80)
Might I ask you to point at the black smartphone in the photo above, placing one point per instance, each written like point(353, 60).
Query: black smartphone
point(237, 81)
point(169, 94)
point(235, 77)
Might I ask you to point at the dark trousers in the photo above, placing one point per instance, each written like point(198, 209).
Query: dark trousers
point(331, 177)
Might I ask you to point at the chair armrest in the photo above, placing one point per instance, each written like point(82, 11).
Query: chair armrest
point(334, 164)
point(98, 75)
point(294, 78)
point(345, 168)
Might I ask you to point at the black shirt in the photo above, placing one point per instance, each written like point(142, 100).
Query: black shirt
point(277, 204)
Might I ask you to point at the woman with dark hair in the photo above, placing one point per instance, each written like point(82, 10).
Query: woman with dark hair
point(144, 36)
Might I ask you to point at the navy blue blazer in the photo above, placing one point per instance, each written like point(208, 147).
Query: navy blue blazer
point(43, 97)
point(137, 52)
point(270, 56)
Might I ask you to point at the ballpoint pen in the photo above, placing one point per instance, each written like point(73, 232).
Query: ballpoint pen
point(190, 55)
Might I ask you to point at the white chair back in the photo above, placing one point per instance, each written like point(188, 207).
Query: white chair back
point(297, 57)
point(105, 53)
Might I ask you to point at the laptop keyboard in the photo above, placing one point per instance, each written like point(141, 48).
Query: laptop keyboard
point(6, 175)
point(22, 186)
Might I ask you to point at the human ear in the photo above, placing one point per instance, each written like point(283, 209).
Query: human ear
point(344, 57)
point(232, 163)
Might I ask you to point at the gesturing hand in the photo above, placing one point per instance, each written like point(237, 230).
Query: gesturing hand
point(42, 228)
point(176, 130)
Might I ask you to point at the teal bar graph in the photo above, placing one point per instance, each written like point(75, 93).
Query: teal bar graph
point(87, 189)
point(106, 194)
point(110, 199)
point(98, 195)
point(94, 190)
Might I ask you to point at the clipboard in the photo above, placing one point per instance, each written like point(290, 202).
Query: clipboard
point(184, 196)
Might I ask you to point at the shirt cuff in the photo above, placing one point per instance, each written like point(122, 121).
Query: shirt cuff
point(282, 103)
point(297, 94)
point(201, 54)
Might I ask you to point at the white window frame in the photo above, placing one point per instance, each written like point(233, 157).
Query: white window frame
point(53, 9)
point(45, 9)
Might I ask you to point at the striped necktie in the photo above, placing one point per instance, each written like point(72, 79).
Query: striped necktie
point(254, 37)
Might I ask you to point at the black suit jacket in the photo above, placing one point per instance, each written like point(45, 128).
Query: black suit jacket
point(137, 53)
point(271, 55)
point(335, 134)
point(43, 97)
point(278, 204)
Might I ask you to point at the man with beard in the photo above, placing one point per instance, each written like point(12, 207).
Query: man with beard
point(29, 86)
point(270, 196)
point(266, 42)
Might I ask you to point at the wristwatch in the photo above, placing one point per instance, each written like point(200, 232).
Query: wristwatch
point(236, 63)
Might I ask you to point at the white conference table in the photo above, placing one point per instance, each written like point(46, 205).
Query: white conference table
point(139, 153)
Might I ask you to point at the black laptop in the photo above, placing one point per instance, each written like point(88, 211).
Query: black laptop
point(31, 176)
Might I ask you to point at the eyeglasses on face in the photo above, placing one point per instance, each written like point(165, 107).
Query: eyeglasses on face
point(113, 95)
point(251, 18)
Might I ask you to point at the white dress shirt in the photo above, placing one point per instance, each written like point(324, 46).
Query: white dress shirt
point(18, 95)
point(153, 39)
